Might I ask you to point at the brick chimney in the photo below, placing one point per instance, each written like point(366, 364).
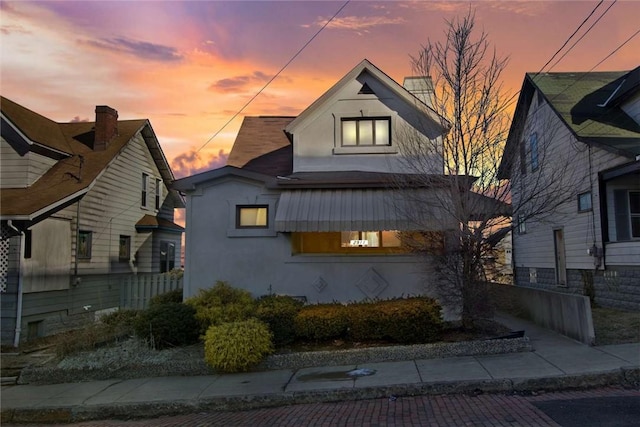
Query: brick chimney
point(106, 127)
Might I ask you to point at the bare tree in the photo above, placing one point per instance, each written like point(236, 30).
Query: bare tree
point(464, 186)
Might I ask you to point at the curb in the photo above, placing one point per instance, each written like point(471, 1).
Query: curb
point(627, 377)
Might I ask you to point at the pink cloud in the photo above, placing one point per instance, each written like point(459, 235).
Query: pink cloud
point(192, 162)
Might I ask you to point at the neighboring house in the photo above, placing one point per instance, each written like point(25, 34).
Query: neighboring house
point(308, 206)
point(82, 204)
point(579, 135)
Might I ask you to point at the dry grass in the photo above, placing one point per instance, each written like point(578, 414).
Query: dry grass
point(615, 326)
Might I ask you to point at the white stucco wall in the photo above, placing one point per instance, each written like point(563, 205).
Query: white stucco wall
point(264, 264)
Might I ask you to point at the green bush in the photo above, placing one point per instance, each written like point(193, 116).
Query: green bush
point(170, 324)
point(174, 296)
point(221, 304)
point(321, 322)
point(411, 320)
point(237, 346)
point(366, 322)
point(279, 312)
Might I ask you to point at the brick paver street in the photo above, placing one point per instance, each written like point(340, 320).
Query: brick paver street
point(455, 410)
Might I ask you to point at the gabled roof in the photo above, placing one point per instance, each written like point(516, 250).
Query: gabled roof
point(588, 103)
point(395, 87)
point(65, 182)
point(189, 183)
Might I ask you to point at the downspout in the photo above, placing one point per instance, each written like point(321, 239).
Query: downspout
point(16, 336)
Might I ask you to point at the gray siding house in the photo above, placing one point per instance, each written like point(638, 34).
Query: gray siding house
point(308, 206)
point(82, 205)
point(575, 145)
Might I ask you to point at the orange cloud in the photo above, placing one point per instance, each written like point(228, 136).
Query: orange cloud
point(192, 162)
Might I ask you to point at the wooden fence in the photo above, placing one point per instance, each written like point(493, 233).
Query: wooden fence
point(137, 291)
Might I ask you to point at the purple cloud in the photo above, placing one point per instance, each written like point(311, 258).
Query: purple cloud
point(144, 50)
point(238, 83)
point(191, 163)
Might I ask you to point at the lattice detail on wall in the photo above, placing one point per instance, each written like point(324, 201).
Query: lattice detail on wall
point(4, 258)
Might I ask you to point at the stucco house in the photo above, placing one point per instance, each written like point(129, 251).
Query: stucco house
point(309, 206)
point(574, 144)
point(81, 205)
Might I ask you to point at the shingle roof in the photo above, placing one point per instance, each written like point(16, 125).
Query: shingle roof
point(151, 222)
point(583, 101)
point(60, 184)
point(260, 136)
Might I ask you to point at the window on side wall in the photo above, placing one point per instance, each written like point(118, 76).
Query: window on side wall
point(366, 131)
point(584, 202)
point(145, 190)
point(158, 193)
point(167, 256)
point(522, 224)
point(533, 145)
point(124, 248)
point(252, 216)
point(84, 244)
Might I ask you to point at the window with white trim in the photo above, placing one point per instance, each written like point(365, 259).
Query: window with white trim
point(158, 193)
point(584, 202)
point(145, 189)
point(366, 131)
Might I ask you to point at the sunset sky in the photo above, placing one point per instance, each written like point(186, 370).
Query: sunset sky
point(189, 66)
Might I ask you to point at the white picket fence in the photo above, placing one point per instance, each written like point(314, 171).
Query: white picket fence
point(137, 291)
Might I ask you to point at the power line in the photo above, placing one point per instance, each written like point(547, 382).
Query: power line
point(275, 76)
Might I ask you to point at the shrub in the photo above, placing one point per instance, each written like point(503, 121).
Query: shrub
point(366, 323)
point(170, 324)
point(411, 320)
point(174, 296)
point(237, 346)
point(279, 312)
point(121, 322)
point(321, 322)
point(221, 304)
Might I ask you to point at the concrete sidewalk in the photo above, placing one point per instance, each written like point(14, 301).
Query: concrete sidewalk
point(556, 363)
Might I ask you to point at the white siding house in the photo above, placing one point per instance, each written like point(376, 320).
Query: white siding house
point(76, 216)
point(573, 159)
point(307, 206)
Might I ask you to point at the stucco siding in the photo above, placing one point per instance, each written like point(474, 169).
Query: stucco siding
point(264, 264)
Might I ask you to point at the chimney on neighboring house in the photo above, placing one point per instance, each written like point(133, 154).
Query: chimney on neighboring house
point(421, 87)
point(106, 127)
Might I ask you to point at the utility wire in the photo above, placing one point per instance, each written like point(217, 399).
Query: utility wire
point(275, 76)
point(573, 34)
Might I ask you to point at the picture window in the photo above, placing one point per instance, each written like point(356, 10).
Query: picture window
point(252, 216)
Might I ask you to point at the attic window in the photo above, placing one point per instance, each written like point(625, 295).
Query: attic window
point(368, 131)
point(366, 90)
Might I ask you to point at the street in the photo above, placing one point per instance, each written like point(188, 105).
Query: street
point(598, 407)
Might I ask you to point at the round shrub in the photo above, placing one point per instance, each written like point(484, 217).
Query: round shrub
point(174, 296)
point(168, 325)
point(279, 312)
point(321, 322)
point(220, 304)
point(237, 346)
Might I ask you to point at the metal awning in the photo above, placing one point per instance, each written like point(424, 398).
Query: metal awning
point(366, 209)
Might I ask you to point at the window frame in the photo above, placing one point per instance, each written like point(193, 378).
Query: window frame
point(127, 239)
point(522, 224)
point(89, 235)
point(158, 195)
point(358, 121)
point(581, 208)
point(239, 209)
point(145, 190)
point(169, 262)
point(535, 155)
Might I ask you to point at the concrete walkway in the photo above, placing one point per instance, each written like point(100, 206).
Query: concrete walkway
point(555, 363)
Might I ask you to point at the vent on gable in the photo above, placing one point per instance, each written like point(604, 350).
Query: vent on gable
point(366, 90)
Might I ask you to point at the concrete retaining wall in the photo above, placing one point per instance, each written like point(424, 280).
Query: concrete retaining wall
point(566, 314)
